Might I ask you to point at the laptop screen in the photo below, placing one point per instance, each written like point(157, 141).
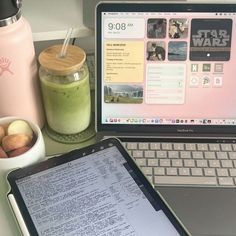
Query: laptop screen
point(166, 66)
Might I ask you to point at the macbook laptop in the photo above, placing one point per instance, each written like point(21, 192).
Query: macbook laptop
point(166, 79)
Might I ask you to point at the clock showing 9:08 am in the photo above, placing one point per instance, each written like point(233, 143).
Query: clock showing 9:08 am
point(124, 28)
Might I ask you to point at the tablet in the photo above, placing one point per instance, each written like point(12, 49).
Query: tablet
point(97, 190)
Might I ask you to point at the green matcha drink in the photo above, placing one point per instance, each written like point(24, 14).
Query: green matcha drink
point(67, 106)
point(66, 96)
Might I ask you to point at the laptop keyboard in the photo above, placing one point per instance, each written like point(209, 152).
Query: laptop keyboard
point(186, 164)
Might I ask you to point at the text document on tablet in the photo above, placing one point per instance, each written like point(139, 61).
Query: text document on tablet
point(98, 194)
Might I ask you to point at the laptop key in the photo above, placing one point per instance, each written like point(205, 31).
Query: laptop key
point(226, 181)
point(137, 154)
point(226, 163)
point(190, 146)
point(232, 155)
point(164, 162)
point(210, 155)
point(232, 172)
point(196, 171)
point(155, 146)
point(171, 171)
point(214, 163)
point(222, 172)
point(221, 155)
point(226, 147)
point(189, 163)
point(161, 154)
point(177, 162)
point(197, 155)
point(178, 146)
point(185, 154)
point(202, 147)
point(184, 171)
point(147, 170)
point(182, 180)
point(166, 146)
point(214, 147)
point(131, 146)
point(152, 162)
point(201, 163)
point(159, 171)
point(173, 154)
point(149, 154)
point(143, 146)
point(209, 172)
point(234, 146)
point(141, 162)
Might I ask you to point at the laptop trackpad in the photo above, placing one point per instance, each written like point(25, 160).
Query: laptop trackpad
point(204, 211)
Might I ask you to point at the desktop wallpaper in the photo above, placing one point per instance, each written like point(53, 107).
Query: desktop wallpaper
point(169, 68)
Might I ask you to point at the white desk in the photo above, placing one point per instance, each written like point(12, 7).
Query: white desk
point(8, 225)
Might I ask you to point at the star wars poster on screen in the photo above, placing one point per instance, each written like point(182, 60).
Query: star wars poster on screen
point(210, 39)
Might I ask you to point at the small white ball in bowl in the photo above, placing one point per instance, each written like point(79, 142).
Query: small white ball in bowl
point(19, 138)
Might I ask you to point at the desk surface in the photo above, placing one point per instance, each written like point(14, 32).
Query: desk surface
point(224, 212)
point(8, 224)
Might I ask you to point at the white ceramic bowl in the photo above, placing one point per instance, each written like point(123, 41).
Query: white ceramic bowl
point(35, 154)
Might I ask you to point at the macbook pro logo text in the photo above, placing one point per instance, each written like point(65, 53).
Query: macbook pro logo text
point(185, 130)
point(5, 64)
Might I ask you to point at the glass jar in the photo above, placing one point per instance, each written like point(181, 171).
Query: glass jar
point(65, 89)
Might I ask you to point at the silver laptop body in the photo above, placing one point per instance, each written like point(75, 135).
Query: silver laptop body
point(194, 74)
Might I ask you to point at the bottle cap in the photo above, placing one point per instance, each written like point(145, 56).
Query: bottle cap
point(9, 8)
point(73, 60)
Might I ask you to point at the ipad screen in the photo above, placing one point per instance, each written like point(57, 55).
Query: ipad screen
point(98, 194)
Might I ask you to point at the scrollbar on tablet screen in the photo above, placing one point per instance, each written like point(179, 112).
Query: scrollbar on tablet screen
point(94, 195)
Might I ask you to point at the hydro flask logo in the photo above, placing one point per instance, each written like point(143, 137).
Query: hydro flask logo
point(5, 64)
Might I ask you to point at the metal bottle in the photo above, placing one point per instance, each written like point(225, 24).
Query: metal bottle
point(19, 84)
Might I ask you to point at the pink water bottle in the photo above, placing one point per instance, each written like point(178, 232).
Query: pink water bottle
point(19, 84)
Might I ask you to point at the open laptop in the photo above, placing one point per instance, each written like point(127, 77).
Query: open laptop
point(166, 73)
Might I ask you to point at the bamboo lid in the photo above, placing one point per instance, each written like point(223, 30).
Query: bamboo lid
point(50, 59)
